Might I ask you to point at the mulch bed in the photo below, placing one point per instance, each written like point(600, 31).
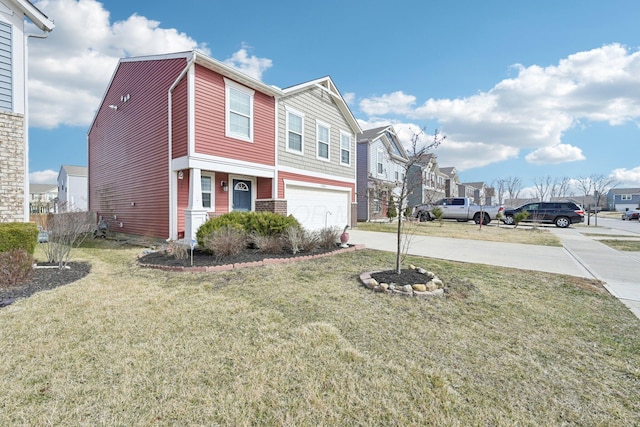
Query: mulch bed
point(406, 277)
point(43, 279)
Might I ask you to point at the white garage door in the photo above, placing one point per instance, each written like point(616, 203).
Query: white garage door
point(316, 208)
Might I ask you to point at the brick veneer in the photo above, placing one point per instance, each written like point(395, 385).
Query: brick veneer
point(271, 205)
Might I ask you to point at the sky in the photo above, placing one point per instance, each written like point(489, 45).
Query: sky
point(520, 89)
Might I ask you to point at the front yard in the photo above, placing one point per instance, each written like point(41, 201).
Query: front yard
point(306, 344)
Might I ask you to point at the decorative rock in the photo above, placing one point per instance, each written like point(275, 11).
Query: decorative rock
point(430, 286)
point(412, 267)
point(378, 288)
point(407, 288)
point(384, 286)
point(430, 274)
point(436, 293)
point(419, 287)
point(372, 283)
point(392, 286)
point(438, 282)
point(421, 270)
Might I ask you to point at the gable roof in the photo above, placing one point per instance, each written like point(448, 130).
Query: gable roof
point(38, 18)
point(388, 137)
point(74, 170)
point(42, 188)
point(327, 85)
point(624, 191)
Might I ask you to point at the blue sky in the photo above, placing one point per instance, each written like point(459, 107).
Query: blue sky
point(520, 89)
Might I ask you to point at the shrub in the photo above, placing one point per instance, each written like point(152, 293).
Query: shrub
point(18, 235)
point(437, 213)
point(328, 237)
point(263, 223)
point(297, 239)
point(16, 266)
point(392, 212)
point(273, 244)
point(67, 230)
point(225, 241)
point(178, 250)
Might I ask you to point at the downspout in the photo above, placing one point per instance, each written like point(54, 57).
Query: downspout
point(173, 206)
point(25, 64)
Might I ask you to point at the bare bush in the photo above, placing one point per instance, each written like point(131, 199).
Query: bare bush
point(298, 239)
point(66, 231)
point(225, 241)
point(328, 237)
point(273, 244)
point(178, 250)
point(16, 265)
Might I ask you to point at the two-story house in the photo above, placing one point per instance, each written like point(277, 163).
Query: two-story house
point(452, 181)
point(72, 189)
point(382, 166)
point(426, 180)
point(14, 150)
point(181, 137)
point(42, 198)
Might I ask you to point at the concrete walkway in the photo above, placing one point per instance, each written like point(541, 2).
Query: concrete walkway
point(580, 256)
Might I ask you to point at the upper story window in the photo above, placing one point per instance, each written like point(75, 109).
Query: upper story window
point(323, 132)
point(295, 131)
point(379, 162)
point(625, 197)
point(239, 109)
point(345, 148)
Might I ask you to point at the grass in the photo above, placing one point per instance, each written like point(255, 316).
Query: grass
point(460, 230)
point(622, 244)
point(305, 344)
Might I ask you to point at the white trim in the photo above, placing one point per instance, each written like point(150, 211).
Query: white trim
point(289, 110)
point(319, 175)
point(212, 176)
point(380, 155)
point(222, 164)
point(231, 85)
point(191, 111)
point(319, 124)
point(288, 182)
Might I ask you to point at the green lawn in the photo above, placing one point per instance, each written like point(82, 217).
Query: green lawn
point(305, 344)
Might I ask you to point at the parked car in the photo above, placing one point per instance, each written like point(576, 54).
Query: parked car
point(562, 214)
point(459, 208)
point(630, 214)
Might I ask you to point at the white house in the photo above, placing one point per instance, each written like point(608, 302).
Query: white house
point(14, 150)
point(72, 188)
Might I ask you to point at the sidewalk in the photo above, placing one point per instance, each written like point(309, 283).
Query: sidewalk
point(581, 256)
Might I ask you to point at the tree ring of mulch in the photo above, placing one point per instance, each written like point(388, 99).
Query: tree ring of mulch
point(43, 279)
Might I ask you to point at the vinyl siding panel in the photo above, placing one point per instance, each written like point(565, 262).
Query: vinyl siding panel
point(316, 105)
point(6, 77)
point(128, 149)
point(361, 182)
point(179, 120)
point(210, 116)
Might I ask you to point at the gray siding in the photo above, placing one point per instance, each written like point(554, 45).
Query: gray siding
point(362, 187)
point(315, 105)
point(6, 84)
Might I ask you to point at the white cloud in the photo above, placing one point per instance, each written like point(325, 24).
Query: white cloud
point(69, 71)
point(394, 103)
point(43, 177)
point(531, 111)
point(627, 177)
point(349, 97)
point(559, 153)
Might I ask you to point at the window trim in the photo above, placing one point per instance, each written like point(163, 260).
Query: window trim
point(289, 110)
point(379, 161)
point(626, 197)
point(211, 176)
point(348, 135)
point(229, 86)
point(320, 124)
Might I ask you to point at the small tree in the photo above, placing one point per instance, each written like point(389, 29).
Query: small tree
point(66, 231)
point(392, 212)
point(519, 217)
point(437, 213)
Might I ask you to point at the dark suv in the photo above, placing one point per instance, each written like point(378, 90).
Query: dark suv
point(562, 214)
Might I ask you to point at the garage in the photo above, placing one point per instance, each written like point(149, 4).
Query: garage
point(318, 207)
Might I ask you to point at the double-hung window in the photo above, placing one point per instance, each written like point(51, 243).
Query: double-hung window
point(379, 162)
point(295, 131)
point(323, 132)
point(207, 194)
point(345, 148)
point(625, 197)
point(239, 106)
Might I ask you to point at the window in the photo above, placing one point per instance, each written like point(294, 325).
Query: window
point(239, 111)
point(379, 164)
point(322, 131)
point(206, 187)
point(376, 205)
point(295, 126)
point(345, 148)
point(625, 197)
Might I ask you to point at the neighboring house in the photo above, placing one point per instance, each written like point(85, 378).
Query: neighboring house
point(480, 192)
point(42, 198)
point(316, 167)
point(182, 137)
point(467, 190)
point(621, 199)
point(14, 149)
point(382, 164)
point(452, 181)
point(426, 182)
point(72, 189)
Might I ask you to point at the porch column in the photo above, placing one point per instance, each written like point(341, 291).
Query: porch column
point(195, 215)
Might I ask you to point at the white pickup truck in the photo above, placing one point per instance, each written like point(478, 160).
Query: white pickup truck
point(459, 208)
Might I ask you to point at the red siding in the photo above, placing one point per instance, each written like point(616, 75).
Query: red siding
point(128, 148)
point(179, 120)
point(264, 188)
point(210, 123)
point(282, 176)
point(222, 197)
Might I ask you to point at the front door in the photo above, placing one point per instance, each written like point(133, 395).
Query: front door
point(241, 195)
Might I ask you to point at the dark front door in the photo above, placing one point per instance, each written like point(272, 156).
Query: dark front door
point(241, 195)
